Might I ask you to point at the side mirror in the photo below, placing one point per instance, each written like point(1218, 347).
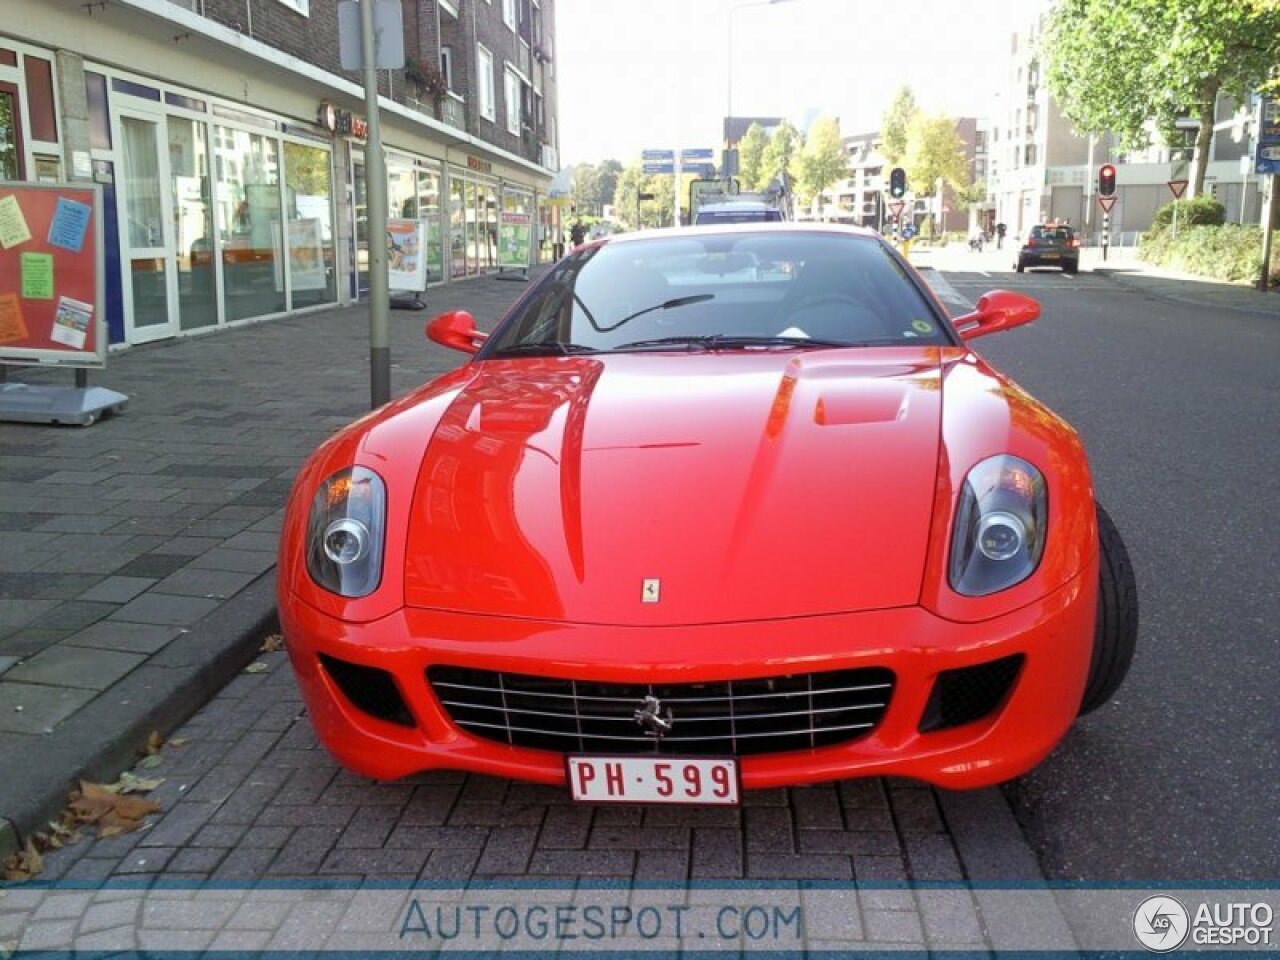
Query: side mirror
point(456, 330)
point(997, 310)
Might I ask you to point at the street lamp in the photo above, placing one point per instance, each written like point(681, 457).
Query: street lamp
point(728, 117)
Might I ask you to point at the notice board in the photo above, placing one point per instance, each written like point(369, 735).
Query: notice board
point(51, 284)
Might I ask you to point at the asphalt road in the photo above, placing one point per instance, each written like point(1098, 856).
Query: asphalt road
point(1179, 408)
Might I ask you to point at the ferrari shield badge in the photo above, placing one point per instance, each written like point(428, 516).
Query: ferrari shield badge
point(649, 591)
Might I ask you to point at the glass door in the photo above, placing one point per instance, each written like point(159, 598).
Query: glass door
point(146, 219)
point(10, 133)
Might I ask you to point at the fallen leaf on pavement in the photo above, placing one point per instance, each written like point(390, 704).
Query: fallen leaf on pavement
point(154, 743)
point(24, 864)
point(151, 762)
point(272, 643)
point(257, 667)
point(132, 783)
point(179, 741)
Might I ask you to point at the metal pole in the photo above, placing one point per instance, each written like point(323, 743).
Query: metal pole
point(1268, 229)
point(376, 192)
point(1088, 187)
point(675, 191)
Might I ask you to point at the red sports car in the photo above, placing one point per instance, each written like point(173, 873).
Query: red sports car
point(712, 508)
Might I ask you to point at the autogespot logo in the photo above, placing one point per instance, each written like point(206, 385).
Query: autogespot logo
point(1161, 923)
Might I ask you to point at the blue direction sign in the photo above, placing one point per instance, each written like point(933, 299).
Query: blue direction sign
point(1268, 156)
point(908, 232)
point(701, 169)
point(668, 167)
point(658, 155)
point(696, 153)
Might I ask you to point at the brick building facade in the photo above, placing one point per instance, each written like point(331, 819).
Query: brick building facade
point(228, 143)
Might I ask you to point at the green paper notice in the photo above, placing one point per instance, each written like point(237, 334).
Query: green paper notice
point(37, 276)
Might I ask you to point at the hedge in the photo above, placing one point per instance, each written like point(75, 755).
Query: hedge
point(1226, 252)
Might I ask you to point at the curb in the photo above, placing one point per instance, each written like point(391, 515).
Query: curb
point(104, 738)
point(995, 855)
point(1118, 277)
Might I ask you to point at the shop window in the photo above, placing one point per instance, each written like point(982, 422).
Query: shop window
point(40, 106)
point(248, 215)
point(429, 212)
point(309, 205)
point(10, 134)
point(95, 89)
point(446, 66)
point(509, 13)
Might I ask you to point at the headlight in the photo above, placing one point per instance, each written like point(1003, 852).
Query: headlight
point(345, 532)
point(1000, 526)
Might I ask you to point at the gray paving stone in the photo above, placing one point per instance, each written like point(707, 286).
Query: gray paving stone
point(245, 561)
point(78, 523)
point(584, 863)
point(69, 666)
point(768, 830)
point(893, 927)
point(847, 842)
point(717, 853)
point(508, 850)
point(932, 857)
point(565, 828)
point(117, 589)
point(797, 866)
point(34, 708)
point(127, 637)
point(166, 609)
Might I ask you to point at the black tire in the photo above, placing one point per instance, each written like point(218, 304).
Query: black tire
point(1116, 632)
point(1072, 269)
point(1020, 266)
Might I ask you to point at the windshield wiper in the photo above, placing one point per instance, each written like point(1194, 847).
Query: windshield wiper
point(542, 348)
point(720, 340)
point(665, 305)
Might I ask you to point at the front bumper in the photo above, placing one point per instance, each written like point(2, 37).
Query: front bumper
point(1054, 635)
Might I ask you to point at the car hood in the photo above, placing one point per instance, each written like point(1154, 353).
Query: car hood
point(651, 489)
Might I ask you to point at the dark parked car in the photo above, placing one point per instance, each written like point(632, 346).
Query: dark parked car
point(1050, 245)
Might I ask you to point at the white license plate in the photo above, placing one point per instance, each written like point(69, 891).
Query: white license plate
point(1052, 256)
point(654, 779)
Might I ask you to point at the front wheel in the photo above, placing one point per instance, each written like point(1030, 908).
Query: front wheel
point(1116, 631)
point(1020, 266)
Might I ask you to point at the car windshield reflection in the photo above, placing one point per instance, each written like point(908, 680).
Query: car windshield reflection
point(743, 290)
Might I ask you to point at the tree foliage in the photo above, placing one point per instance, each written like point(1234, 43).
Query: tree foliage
point(585, 195)
point(893, 128)
point(822, 161)
point(1132, 66)
point(934, 151)
point(751, 156)
point(779, 154)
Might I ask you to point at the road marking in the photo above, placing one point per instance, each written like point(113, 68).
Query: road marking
point(945, 291)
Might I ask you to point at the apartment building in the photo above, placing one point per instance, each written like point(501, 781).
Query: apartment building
point(229, 145)
point(1041, 168)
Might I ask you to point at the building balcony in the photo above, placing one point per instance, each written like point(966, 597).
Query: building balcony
point(453, 111)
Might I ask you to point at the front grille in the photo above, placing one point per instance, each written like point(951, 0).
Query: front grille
point(739, 717)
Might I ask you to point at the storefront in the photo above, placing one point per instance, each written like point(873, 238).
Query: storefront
point(237, 192)
point(223, 214)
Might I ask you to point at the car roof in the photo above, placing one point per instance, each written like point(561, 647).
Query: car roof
point(777, 226)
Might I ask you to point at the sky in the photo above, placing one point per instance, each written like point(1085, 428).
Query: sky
point(654, 74)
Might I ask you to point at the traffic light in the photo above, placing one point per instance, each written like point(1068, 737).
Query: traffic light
point(1107, 179)
point(897, 182)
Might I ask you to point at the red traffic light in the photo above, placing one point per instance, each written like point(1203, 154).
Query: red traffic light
point(1107, 179)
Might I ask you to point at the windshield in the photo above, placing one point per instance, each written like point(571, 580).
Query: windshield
point(744, 290)
point(1056, 234)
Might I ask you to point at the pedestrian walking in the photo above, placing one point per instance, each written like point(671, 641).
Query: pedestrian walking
point(577, 233)
point(1000, 230)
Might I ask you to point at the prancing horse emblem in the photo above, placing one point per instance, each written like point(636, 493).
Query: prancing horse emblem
point(650, 717)
point(650, 590)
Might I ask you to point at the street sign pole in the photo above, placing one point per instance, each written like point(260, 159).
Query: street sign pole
point(1268, 230)
point(1106, 234)
point(376, 187)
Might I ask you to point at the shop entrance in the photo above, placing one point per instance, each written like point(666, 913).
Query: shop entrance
point(146, 218)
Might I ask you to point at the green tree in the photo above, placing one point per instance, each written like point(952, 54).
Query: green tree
point(653, 213)
point(751, 154)
point(822, 161)
point(585, 194)
point(608, 173)
point(893, 129)
point(779, 155)
point(1119, 65)
point(934, 152)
